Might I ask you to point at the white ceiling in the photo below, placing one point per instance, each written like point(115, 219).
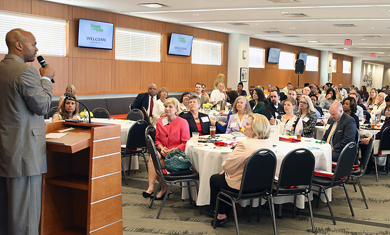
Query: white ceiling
point(370, 33)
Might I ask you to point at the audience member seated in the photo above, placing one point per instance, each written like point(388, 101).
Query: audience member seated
point(299, 95)
point(218, 95)
point(341, 131)
point(290, 124)
point(258, 101)
point(349, 107)
point(257, 128)
point(387, 100)
point(240, 90)
point(313, 89)
point(339, 96)
point(330, 98)
point(163, 94)
point(197, 121)
point(318, 109)
point(364, 92)
point(359, 110)
point(268, 91)
point(231, 98)
point(70, 89)
point(292, 93)
point(204, 92)
point(68, 109)
point(249, 96)
point(148, 101)
point(198, 93)
point(241, 110)
point(343, 91)
point(379, 104)
point(274, 110)
point(184, 102)
point(308, 115)
point(220, 79)
point(371, 100)
point(322, 97)
point(172, 133)
point(287, 88)
point(306, 91)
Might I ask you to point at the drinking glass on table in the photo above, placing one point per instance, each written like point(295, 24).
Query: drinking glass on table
point(195, 136)
point(212, 131)
point(299, 134)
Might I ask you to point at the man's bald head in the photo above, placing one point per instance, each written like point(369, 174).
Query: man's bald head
point(336, 111)
point(152, 89)
point(21, 43)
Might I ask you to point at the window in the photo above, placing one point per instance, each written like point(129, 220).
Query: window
point(137, 45)
point(206, 52)
point(256, 57)
point(334, 63)
point(346, 66)
point(287, 60)
point(312, 63)
point(49, 33)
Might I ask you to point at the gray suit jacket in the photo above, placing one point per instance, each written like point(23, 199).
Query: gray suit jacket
point(25, 98)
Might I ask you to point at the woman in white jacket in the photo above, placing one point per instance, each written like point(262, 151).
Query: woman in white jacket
point(290, 124)
point(379, 105)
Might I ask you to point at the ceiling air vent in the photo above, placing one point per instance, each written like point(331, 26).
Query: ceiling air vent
point(281, 1)
point(372, 36)
point(272, 32)
point(295, 15)
point(292, 36)
point(238, 24)
point(344, 25)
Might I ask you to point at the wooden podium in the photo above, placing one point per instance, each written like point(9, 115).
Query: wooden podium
point(82, 189)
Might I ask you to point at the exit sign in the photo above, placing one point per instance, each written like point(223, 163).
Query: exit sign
point(348, 42)
point(372, 54)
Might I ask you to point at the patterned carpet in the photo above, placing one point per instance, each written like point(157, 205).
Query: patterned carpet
point(179, 217)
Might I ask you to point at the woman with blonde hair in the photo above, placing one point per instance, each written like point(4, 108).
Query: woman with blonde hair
point(68, 109)
point(240, 112)
point(258, 129)
point(379, 104)
point(290, 123)
point(163, 94)
point(371, 100)
point(70, 89)
point(308, 115)
point(220, 79)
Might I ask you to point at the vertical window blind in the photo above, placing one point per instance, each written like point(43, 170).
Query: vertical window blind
point(50, 33)
point(137, 45)
point(287, 60)
point(206, 52)
point(346, 66)
point(334, 65)
point(256, 57)
point(312, 63)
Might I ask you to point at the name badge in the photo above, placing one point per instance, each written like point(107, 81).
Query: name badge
point(205, 119)
point(383, 118)
point(165, 121)
point(305, 119)
point(233, 124)
point(288, 128)
point(327, 127)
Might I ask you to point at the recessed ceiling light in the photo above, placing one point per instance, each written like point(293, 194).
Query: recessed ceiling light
point(284, 12)
point(195, 14)
point(152, 5)
point(363, 39)
point(292, 28)
point(257, 24)
point(313, 41)
point(345, 48)
point(371, 28)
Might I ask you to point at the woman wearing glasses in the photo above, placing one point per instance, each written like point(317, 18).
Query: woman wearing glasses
point(308, 115)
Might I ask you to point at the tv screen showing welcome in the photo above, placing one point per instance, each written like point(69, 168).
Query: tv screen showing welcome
point(273, 55)
point(95, 34)
point(303, 56)
point(180, 44)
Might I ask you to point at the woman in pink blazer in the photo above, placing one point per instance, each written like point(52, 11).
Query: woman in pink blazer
point(172, 133)
point(257, 128)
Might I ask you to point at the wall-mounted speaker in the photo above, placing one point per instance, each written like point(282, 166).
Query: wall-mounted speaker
point(299, 66)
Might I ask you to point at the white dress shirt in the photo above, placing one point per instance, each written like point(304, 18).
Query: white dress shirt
point(216, 96)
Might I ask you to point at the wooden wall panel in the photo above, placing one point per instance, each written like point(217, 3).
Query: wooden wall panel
point(200, 33)
point(339, 76)
point(125, 21)
point(153, 26)
point(177, 77)
point(151, 73)
point(92, 76)
point(50, 9)
point(127, 76)
point(20, 6)
point(90, 14)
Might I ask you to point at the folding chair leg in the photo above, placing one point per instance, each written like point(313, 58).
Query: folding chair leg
point(330, 208)
point(165, 198)
point(280, 210)
point(295, 202)
point(387, 164)
point(216, 211)
point(349, 201)
point(130, 157)
point(189, 193)
point(272, 210)
point(259, 212)
point(361, 190)
point(155, 194)
point(250, 210)
point(376, 169)
point(235, 217)
point(354, 186)
point(319, 197)
point(311, 214)
point(124, 174)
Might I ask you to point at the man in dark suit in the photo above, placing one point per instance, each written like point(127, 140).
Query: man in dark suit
point(25, 98)
point(147, 100)
point(341, 131)
point(274, 110)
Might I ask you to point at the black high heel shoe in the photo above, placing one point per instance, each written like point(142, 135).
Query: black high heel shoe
point(147, 195)
point(162, 196)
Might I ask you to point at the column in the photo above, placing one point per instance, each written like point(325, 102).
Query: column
point(238, 57)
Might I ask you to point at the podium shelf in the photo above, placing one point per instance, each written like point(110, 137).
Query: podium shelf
point(74, 230)
point(76, 181)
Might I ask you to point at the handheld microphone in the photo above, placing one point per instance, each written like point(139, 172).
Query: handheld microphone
point(43, 64)
point(69, 97)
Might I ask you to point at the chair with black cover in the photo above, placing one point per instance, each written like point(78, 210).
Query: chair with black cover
point(358, 173)
point(257, 182)
point(100, 113)
point(340, 176)
point(135, 115)
point(51, 112)
point(146, 116)
point(384, 149)
point(135, 144)
point(150, 130)
point(168, 179)
point(295, 177)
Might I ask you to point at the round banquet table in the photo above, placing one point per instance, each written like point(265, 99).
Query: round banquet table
point(207, 160)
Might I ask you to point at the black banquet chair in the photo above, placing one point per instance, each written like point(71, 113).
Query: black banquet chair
point(257, 182)
point(384, 149)
point(135, 115)
point(135, 144)
point(51, 112)
point(100, 113)
point(168, 179)
point(295, 177)
point(340, 176)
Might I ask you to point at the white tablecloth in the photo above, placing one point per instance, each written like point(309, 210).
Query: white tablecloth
point(208, 161)
point(215, 115)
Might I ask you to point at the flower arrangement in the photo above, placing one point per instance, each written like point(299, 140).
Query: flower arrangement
point(207, 106)
point(84, 115)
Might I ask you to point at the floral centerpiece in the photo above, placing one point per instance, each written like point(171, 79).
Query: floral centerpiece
point(207, 106)
point(84, 115)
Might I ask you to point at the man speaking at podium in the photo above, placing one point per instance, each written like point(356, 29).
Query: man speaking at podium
point(24, 99)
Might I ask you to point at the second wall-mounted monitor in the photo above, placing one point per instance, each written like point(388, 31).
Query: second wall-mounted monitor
point(95, 34)
point(303, 56)
point(180, 44)
point(273, 55)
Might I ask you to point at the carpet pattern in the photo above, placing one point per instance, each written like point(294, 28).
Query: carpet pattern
point(180, 218)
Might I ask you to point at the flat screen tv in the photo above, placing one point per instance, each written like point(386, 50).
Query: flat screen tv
point(95, 34)
point(180, 44)
point(303, 56)
point(273, 55)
